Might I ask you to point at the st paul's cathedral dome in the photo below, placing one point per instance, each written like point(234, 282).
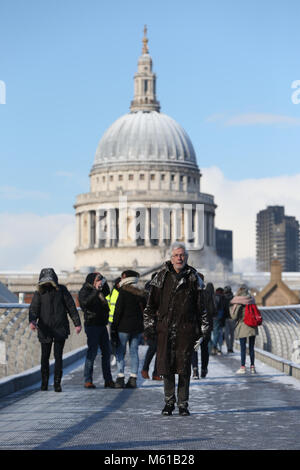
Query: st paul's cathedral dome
point(144, 188)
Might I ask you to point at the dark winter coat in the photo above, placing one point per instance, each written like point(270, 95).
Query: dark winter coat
point(128, 316)
point(49, 308)
point(221, 308)
point(176, 311)
point(94, 304)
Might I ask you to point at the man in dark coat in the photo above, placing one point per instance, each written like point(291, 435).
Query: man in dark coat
point(128, 326)
point(92, 300)
point(48, 314)
point(175, 310)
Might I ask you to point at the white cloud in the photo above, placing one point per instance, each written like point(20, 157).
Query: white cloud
point(30, 242)
point(252, 119)
point(239, 201)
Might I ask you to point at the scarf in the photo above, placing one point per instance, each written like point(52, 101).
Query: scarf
point(129, 280)
point(241, 300)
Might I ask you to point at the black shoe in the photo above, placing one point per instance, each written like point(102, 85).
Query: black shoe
point(203, 373)
point(120, 382)
point(109, 384)
point(44, 384)
point(183, 411)
point(131, 382)
point(167, 411)
point(57, 387)
point(45, 379)
point(195, 373)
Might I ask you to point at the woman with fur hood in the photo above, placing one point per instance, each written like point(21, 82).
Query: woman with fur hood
point(128, 326)
point(92, 300)
point(243, 331)
point(48, 311)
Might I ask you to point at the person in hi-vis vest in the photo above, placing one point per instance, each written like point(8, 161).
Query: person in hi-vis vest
point(112, 300)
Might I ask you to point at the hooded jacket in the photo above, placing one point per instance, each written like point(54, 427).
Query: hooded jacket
point(176, 311)
point(49, 307)
point(237, 313)
point(128, 316)
point(93, 302)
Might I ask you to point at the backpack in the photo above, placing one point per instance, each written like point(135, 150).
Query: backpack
point(252, 316)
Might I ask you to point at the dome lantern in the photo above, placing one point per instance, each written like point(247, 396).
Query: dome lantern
point(145, 82)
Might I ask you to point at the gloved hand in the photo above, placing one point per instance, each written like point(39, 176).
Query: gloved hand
point(197, 344)
point(114, 337)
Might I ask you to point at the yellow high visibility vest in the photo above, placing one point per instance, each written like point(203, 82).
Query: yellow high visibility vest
point(112, 300)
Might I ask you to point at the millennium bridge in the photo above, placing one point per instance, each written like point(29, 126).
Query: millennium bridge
point(228, 411)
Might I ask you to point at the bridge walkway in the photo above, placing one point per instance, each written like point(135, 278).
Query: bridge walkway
point(228, 412)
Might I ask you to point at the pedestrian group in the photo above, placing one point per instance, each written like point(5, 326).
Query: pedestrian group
point(174, 314)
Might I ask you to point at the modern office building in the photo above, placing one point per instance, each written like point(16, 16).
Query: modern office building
point(224, 247)
point(277, 238)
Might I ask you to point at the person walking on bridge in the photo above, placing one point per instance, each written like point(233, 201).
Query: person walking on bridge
point(176, 312)
point(92, 299)
point(127, 326)
point(243, 331)
point(48, 315)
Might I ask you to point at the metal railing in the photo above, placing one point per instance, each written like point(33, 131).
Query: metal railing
point(278, 335)
point(20, 349)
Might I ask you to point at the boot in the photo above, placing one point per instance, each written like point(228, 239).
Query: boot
point(168, 409)
point(131, 382)
point(120, 382)
point(45, 379)
point(57, 380)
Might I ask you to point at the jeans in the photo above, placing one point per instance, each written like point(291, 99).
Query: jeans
point(251, 350)
point(134, 341)
point(97, 336)
point(217, 335)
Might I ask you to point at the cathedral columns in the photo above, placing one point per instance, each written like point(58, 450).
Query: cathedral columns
point(147, 227)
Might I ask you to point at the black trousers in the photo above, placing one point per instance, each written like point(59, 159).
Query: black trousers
point(204, 355)
point(58, 353)
point(182, 389)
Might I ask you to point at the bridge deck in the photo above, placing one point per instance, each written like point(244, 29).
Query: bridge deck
point(227, 412)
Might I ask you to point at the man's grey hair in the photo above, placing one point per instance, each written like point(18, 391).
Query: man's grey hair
point(177, 245)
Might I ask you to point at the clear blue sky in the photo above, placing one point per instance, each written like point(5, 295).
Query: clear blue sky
point(68, 66)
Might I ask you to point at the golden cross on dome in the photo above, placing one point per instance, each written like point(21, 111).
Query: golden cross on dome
point(145, 41)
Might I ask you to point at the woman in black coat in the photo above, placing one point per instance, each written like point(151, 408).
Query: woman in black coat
point(48, 311)
point(92, 300)
point(128, 325)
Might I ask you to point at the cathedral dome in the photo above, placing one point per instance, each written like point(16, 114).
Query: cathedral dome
point(145, 137)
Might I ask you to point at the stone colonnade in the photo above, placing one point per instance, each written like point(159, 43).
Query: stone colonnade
point(124, 225)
